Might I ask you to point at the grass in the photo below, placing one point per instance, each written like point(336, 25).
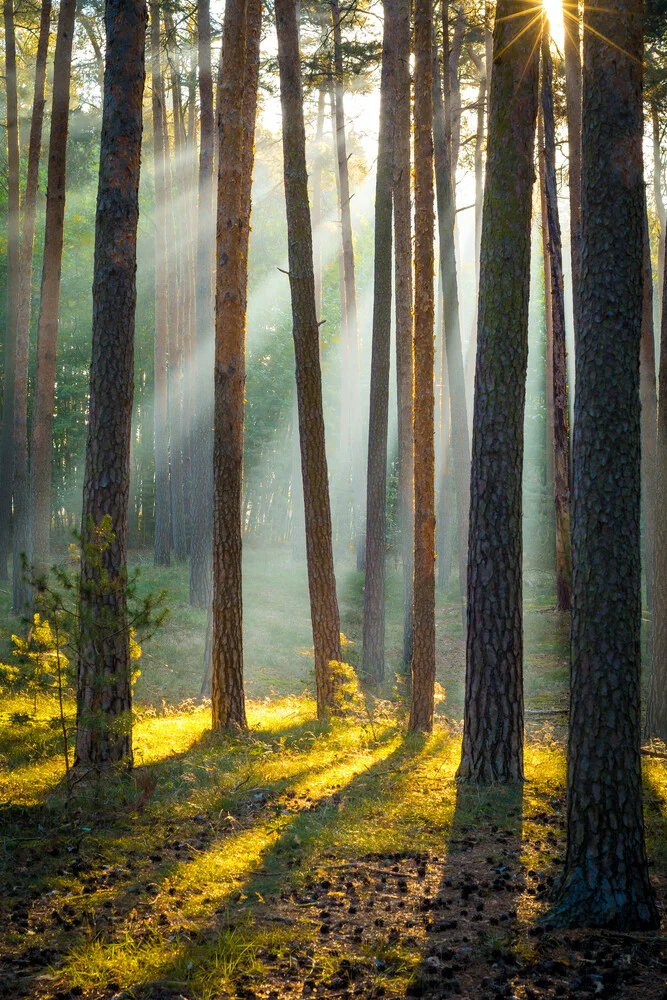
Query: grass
point(231, 866)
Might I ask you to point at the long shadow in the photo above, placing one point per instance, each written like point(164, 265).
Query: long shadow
point(470, 915)
point(109, 854)
point(296, 916)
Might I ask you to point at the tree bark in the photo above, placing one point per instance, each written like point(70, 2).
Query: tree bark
point(319, 548)
point(376, 490)
point(47, 329)
point(605, 882)
point(659, 201)
point(649, 413)
point(403, 294)
point(548, 311)
point(202, 443)
point(572, 54)
point(12, 257)
point(21, 591)
point(162, 536)
point(453, 349)
point(481, 68)
point(351, 326)
point(317, 200)
point(493, 722)
point(104, 689)
point(561, 429)
point(423, 656)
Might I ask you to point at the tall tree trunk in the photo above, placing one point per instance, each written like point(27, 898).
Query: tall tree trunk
point(455, 372)
point(21, 594)
point(351, 328)
point(561, 429)
point(452, 60)
point(548, 311)
point(376, 490)
point(403, 294)
point(659, 202)
point(319, 548)
point(572, 54)
point(656, 706)
point(423, 656)
point(228, 698)
point(482, 91)
point(12, 257)
point(606, 881)
point(649, 413)
point(317, 199)
point(104, 689)
point(493, 723)
point(162, 537)
point(202, 443)
point(47, 330)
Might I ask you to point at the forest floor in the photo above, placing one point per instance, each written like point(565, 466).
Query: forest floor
point(304, 860)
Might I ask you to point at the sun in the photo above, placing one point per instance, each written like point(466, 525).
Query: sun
point(554, 11)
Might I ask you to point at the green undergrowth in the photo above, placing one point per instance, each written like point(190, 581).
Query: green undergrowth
point(185, 872)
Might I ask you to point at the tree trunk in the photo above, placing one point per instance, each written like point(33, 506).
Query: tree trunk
point(548, 311)
point(481, 67)
point(572, 54)
point(423, 656)
point(649, 413)
point(202, 443)
point(403, 281)
point(606, 881)
point(21, 591)
point(659, 202)
point(376, 491)
point(493, 724)
point(319, 548)
point(47, 330)
point(351, 327)
point(162, 537)
point(561, 429)
point(656, 707)
point(104, 688)
point(455, 372)
point(317, 200)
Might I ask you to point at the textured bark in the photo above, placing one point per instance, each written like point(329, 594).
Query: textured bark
point(317, 200)
point(453, 349)
point(351, 327)
point(176, 282)
point(423, 654)
point(47, 329)
point(376, 490)
point(659, 201)
point(649, 412)
point(162, 537)
point(202, 442)
point(228, 698)
point(12, 287)
point(104, 690)
point(605, 882)
point(493, 723)
point(560, 420)
point(656, 707)
point(319, 548)
point(572, 54)
point(403, 295)
point(21, 591)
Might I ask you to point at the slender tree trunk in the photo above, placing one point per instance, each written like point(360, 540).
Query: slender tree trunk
point(572, 53)
point(454, 111)
point(548, 312)
point(561, 429)
point(12, 259)
point(351, 321)
point(606, 881)
point(104, 689)
point(162, 538)
point(21, 591)
point(423, 656)
point(403, 280)
point(481, 68)
point(319, 548)
point(659, 201)
point(455, 372)
point(376, 493)
point(47, 330)
point(493, 723)
point(649, 414)
point(317, 200)
point(202, 444)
